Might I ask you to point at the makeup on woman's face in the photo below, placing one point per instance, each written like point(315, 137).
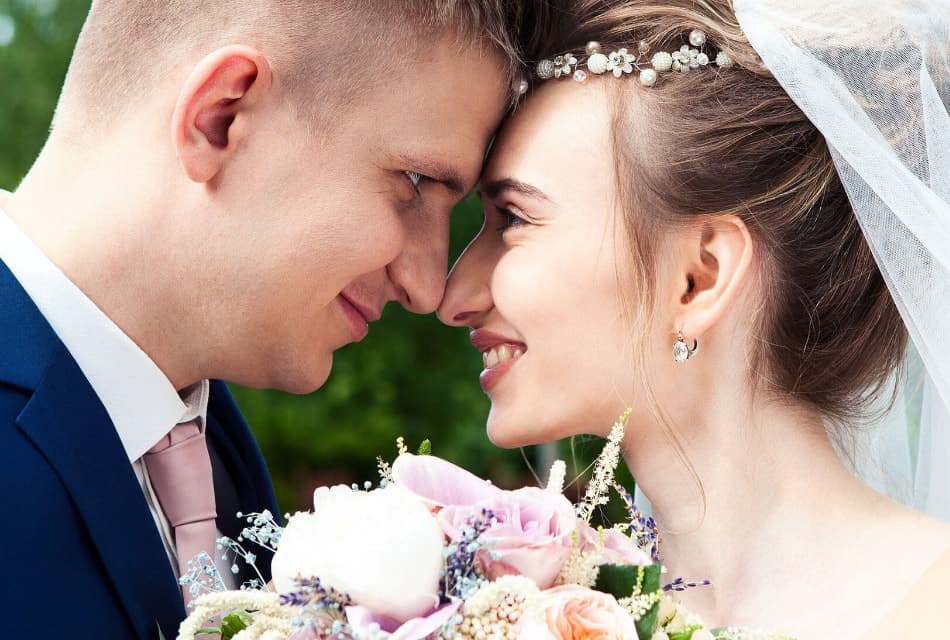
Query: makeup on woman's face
point(539, 285)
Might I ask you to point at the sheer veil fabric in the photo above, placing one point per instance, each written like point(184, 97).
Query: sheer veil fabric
point(874, 78)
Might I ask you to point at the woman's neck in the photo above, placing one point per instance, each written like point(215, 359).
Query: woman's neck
point(767, 482)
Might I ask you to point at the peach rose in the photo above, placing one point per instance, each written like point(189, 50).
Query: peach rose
point(575, 613)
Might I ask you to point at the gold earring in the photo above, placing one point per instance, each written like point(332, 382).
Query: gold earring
point(681, 351)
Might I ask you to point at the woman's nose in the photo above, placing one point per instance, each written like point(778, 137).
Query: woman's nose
point(467, 295)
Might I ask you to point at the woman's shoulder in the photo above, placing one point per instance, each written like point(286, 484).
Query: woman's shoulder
point(925, 607)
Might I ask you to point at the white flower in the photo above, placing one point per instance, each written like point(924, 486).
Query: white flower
point(620, 62)
point(382, 548)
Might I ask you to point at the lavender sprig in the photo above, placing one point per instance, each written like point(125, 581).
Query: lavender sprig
point(321, 608)
point(310, 591)
point(682, 585)
point(643, 528)
point(461, 576)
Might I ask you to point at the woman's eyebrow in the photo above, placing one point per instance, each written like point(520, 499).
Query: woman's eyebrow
point(495, 188)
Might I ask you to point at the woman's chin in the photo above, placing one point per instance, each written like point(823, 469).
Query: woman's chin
point(507, 432)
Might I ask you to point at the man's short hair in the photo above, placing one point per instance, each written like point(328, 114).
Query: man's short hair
point(128, 47)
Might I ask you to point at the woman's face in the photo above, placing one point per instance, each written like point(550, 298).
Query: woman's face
point(541, 284)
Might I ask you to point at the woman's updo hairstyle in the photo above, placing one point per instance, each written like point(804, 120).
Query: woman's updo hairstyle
point(715, 141)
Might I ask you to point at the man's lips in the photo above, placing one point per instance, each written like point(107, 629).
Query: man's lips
point(357, 321)
point(369, 313)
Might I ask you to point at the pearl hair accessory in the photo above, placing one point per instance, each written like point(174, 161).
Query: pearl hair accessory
point(621, 62)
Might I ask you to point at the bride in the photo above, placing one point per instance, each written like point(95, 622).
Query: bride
point(684, 243)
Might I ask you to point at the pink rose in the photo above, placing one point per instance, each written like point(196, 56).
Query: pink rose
point(575, 613)
point(612, 547)
point(532, 532)
point(367, 624)
point(439, 483)
point(531, 535)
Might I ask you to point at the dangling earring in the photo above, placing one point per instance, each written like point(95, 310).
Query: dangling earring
point(681, 351)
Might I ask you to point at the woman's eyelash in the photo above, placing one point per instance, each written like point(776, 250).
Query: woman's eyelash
point(510, 220)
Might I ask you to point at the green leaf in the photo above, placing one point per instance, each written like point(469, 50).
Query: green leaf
point(651, 583)
point(620, 581)
point(617, 580)
point(161, 636)
point(234, 623)
point(684, 635)
point(208, 631)
point(425, 449)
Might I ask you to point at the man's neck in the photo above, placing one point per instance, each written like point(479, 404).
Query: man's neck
point(111, 245)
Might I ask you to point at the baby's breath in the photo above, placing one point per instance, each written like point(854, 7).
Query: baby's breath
point(599, 488)
point(556, 477)
point(385, 471)
point(580, 568)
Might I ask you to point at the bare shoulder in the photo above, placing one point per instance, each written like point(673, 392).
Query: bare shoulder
point(924, 549)
point(928, 534)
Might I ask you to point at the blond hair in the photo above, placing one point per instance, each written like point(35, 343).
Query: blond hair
point(322, 51)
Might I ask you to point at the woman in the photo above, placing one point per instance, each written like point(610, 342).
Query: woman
point(641, 212)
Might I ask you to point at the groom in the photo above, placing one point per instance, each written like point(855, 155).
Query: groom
point(230, 190)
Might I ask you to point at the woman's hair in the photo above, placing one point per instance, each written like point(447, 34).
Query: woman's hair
point(716, 141)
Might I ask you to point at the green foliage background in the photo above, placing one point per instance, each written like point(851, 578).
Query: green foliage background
point(412, 376)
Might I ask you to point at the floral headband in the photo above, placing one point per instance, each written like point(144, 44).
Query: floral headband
point(622, 62)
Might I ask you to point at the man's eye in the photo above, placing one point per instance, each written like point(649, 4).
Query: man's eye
point(415, 179)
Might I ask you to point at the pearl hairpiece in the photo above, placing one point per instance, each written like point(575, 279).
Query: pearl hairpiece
point(621, 62)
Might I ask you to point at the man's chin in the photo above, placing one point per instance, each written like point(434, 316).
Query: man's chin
point(294, 376)
point(309, 380)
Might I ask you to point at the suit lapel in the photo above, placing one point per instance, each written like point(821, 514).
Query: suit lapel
point(240, 459)
point(67, 422)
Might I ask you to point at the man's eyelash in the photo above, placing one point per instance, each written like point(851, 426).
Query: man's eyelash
point(415, 179)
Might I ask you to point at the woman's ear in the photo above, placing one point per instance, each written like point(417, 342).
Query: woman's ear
point(210, 116)
point(713, 265)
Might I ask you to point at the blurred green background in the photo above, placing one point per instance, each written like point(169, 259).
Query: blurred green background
point(412, 376)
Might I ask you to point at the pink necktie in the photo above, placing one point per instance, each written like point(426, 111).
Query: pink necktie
point(179, 468)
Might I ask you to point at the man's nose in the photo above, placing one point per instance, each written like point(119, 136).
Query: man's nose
point(418, 273)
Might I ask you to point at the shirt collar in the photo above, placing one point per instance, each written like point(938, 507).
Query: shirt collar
point(137, 395)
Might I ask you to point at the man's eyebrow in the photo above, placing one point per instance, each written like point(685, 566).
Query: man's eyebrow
point(495, 188)
point(438, 171)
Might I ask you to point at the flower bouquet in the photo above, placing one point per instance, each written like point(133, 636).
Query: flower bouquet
point(436, 553)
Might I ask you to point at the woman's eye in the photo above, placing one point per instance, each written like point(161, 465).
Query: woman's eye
point(510, 220)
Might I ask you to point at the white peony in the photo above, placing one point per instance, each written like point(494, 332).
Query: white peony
point(383, 548)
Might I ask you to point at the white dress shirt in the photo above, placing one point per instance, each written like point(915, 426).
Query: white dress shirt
point(137, 395)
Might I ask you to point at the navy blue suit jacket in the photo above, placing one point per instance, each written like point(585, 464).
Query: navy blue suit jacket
point(80, 554)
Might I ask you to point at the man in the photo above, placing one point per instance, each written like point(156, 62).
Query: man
point(230, 190)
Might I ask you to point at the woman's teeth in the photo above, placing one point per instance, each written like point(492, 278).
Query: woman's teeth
point(502, 353)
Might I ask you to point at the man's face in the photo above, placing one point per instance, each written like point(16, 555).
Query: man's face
point(338, 222)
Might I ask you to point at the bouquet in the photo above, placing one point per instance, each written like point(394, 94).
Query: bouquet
point(436, 553)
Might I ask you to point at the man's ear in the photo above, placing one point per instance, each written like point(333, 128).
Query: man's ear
point(210, 115)
point(712, 268)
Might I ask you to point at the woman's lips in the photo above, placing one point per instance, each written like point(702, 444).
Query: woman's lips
point(499, 354)
point(491, 376)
